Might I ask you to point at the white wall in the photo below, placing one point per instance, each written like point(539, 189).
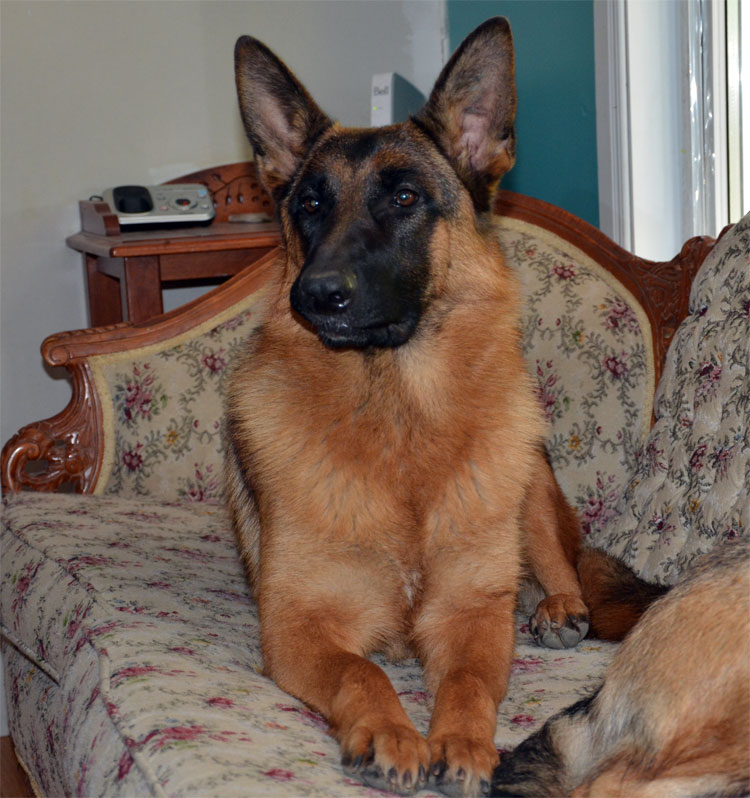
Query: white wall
point(96, 94)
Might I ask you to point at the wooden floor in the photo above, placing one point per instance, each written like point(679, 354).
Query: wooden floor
point(13, 781)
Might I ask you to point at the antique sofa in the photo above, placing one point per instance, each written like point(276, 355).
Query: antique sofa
point(130, 641)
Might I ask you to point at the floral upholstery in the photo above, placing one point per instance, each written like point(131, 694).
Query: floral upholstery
point(588, 344)
point(131, 646)
point(135, 664)
point(691, 486)
point(586, 340)
point(163, 432)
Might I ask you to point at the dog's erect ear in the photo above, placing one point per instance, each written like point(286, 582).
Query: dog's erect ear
point(472, 109)
point(281, 119)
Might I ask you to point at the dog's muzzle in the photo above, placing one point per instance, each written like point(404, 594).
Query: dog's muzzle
point(328, 292)
point(344, 314)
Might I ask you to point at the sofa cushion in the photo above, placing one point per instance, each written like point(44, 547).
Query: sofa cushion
point(690, 488)
point(133, 660)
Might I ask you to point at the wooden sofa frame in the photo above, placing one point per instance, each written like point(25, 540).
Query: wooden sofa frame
point(66, 450)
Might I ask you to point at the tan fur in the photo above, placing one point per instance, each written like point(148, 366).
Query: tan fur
point(672, 719)
point(390, 484)
point(674, 713)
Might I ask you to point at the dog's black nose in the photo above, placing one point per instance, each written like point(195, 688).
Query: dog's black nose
point(330, 291)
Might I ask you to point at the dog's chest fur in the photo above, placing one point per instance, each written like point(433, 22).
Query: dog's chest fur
point(397, 454)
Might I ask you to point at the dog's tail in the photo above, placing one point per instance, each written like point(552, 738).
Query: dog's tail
point(541, 765)
point(616, 598)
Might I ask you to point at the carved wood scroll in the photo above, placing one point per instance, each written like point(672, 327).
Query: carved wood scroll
point(62, 452)
point(66, 451)
point(666, 291)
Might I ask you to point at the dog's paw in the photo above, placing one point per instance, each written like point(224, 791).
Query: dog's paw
point(460, 766)
point(560, 621)
point(390, 757)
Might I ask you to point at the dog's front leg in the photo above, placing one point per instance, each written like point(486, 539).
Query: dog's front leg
point(466, 641)
point(552, 546)
point(310, 656)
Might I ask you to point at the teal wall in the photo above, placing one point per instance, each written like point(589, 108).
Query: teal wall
point(556, 119)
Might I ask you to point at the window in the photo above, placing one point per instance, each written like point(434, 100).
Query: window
point(738, 112)
point(670, 124)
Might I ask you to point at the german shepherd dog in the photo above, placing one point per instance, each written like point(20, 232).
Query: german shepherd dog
point(672, 718)
point(385, 462)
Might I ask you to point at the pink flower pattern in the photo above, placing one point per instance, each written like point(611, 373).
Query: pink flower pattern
point(616, 365)
point(139, 395)
point(215, 361)
point(184, 690)
point(545, 388)
point(147, 588)
point(565, 271)
point(685, 491)
point(203, 487)
point(133, 459)
point(708, 374)
point(618, 315)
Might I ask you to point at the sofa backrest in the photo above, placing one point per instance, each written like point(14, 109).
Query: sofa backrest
point(586, 340)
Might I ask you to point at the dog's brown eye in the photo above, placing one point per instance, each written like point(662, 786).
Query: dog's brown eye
point(405, 197)
point(311, 205)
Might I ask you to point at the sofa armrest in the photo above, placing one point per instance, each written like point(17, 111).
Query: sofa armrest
point(59, 451)
point(66, 452)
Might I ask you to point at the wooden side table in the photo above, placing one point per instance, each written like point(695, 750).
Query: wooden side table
point(125, 271)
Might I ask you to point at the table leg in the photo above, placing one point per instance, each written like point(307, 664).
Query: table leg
point(141, 288)
point(104, 294)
